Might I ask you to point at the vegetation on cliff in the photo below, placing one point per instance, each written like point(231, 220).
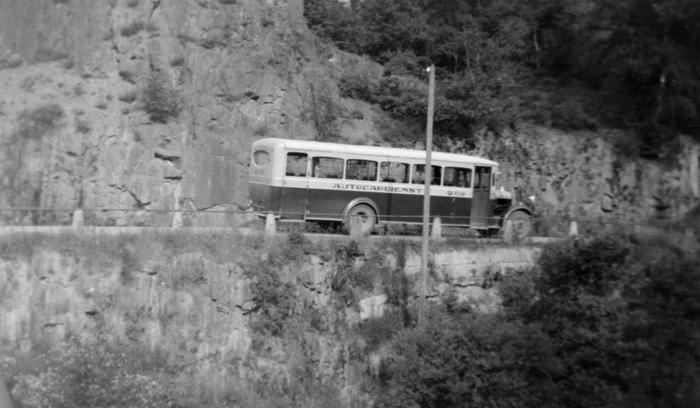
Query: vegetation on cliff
point(568, 64)
point(600, 322)
point(609, 322)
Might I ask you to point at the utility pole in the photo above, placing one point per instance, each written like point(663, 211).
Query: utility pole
point(426, 199)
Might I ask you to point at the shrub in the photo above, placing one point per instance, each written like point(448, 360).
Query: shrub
point(605, 322)
point(323, 112)
point(376, 331)
point(132, 28)
point(160, 101)
point(357, 86)
point(274, 300)
point(35, 123)
point(82, 126)
point(128, 97)
point(456, 361)
point(92, 374)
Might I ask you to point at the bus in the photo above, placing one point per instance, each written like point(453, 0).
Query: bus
point(300, 180)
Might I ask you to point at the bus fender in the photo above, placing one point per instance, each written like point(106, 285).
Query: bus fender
point(520, 207)
point(361, 200)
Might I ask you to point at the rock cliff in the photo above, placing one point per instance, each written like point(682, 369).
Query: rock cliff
point(227, 311)
point(596, 179)
point(152, 105)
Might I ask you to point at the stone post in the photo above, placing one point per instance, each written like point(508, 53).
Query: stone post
point(270, 225)
point(573, 229)
point(508, 235)
point(78, 218)
point(356, 228)
point(177, 219)
point(436, 232)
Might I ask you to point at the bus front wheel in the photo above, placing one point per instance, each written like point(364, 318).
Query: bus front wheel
point(360, 220)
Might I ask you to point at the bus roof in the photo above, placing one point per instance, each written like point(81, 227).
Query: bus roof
point(304, 145)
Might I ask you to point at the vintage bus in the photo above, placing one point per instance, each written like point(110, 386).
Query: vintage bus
point(317, 181)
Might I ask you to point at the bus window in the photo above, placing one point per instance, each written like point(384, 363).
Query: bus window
point(327, 167)
point(419, 174)
point(457, 177)
point(296, 164)
point(361, 170)
point(394, 172)
point(483, 177)
point(261, 158)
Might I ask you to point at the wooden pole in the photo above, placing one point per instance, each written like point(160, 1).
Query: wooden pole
point(426, 199)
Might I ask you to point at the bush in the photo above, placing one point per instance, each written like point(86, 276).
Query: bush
point(606, 322)
point(357, 86)
point(459, 360)
point(35, 123)
point(160, 101)
point(92, 374)
point(380, 330)
point(324, 112)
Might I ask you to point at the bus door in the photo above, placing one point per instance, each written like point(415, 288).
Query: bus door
point(295, 185)
point(456, 182)
point(398, 203)
point(326, 197)
point(481, 204)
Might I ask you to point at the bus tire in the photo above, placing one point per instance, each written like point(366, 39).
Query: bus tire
point(366, 219)
point(522, 224)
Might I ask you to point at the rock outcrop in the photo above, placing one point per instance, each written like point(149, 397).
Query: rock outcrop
point(226, 309)
point(150, 105)
point(583, 176)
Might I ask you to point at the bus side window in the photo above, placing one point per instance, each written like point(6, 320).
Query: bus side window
point(296, 164)
point(419, 174)
point(327, 167)
point(458, 177)
point(261, 158)
point(361, 170)
point(394, 172)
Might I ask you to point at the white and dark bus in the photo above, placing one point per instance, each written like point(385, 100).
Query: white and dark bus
point(299, 180)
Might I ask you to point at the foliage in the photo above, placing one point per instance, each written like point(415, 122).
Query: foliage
point(274, 299)
point(92, 374)
point(35, 123)
point(160, 100)
point(376, 331)
point(323, 112)
point(569, 64)
point(358, 273)
point(606, 322)
point(457, 360)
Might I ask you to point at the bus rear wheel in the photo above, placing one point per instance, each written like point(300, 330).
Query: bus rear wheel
point(522, 224)
point(360, 220)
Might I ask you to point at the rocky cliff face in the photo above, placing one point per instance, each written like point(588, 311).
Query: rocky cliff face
point(226, 311)
point(595, 179)
point(151, 105)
